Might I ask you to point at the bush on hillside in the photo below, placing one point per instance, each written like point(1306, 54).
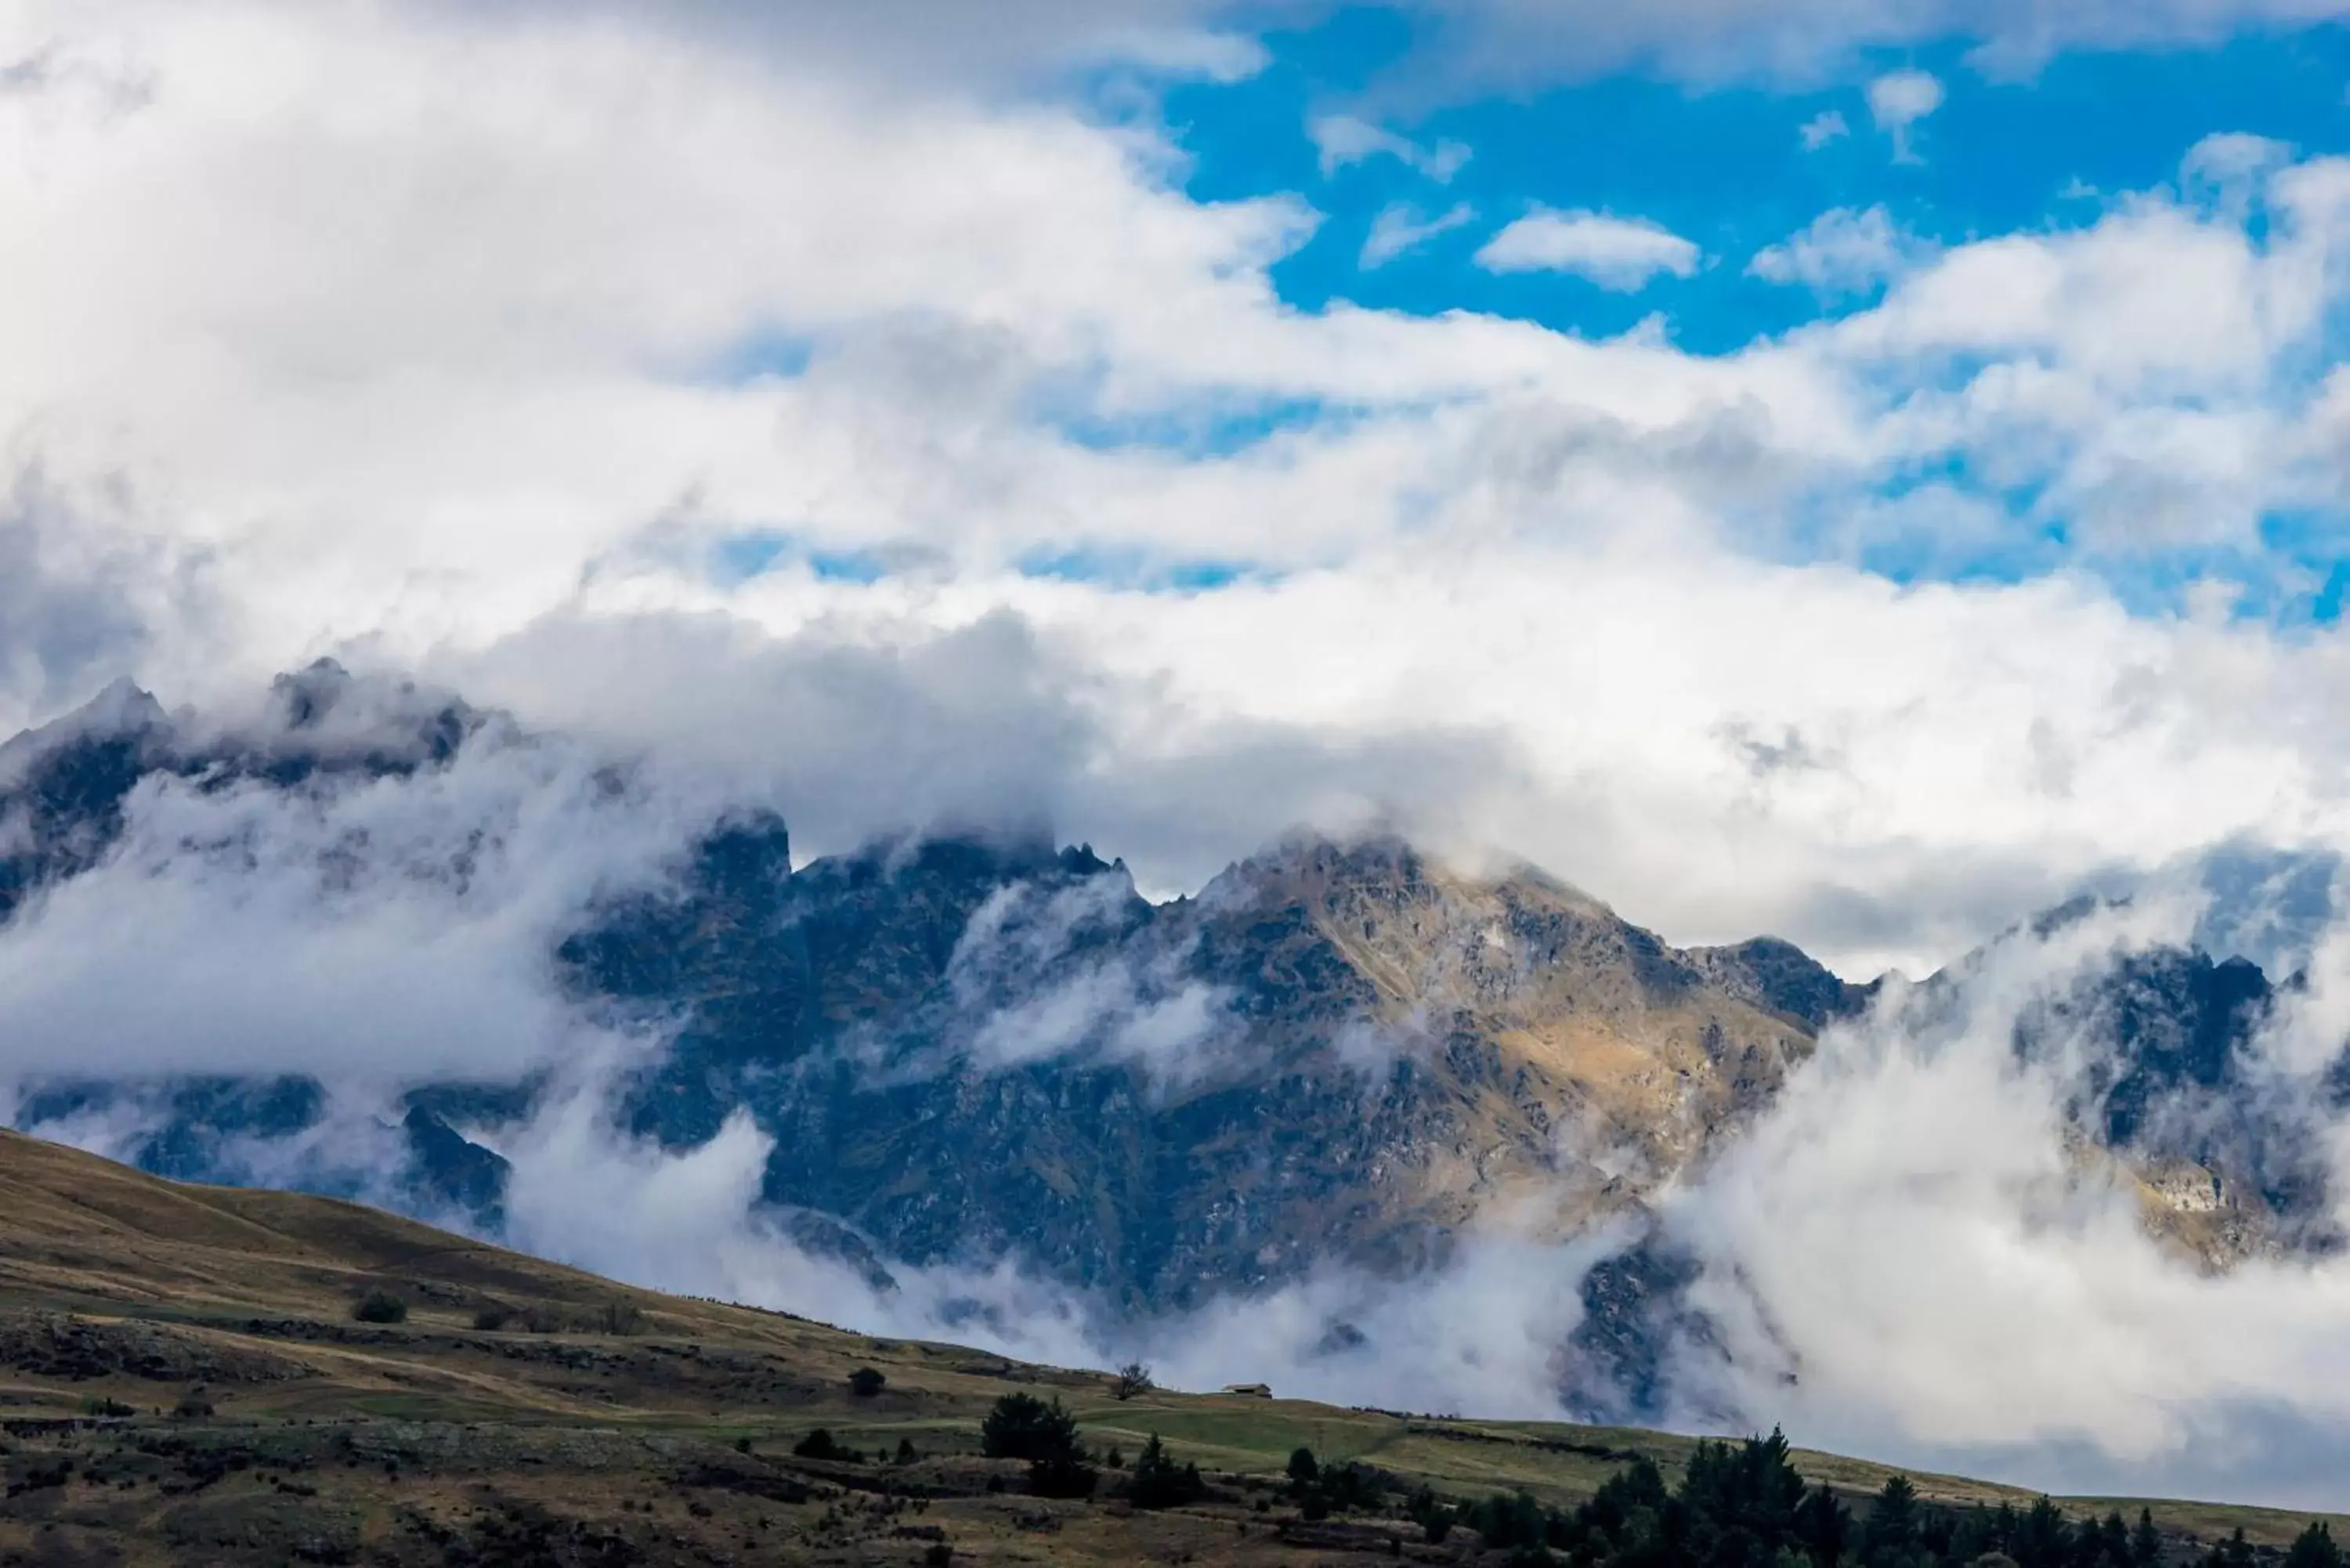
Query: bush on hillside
point(1161, 1482)
point(819, 1444)
point(380, 1306)
point(1062, 1477)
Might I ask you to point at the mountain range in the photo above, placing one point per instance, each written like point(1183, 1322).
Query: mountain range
point(975, 1048)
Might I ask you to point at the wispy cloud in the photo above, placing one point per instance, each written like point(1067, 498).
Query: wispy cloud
point(1399, 228)
point(1342, 139)
point(1829, 125)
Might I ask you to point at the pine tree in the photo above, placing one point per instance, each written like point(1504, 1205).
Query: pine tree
point(1822, 1526)
point(2233, 1552)
point(1161, 1482)
point(2042, 1538)
point(1891, 1529)
point(2314, 1548)
point(1023, 1426)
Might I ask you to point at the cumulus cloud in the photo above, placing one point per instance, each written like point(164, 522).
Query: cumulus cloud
point(1898, 101)
point(1620, 254)
point(575, 467)
point(1839, 252)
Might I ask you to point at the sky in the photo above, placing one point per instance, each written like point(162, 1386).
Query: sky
point(1845, 469)
point(1851, 470)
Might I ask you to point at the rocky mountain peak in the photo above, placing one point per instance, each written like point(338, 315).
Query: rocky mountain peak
point(122, 714)
point(974, 1047)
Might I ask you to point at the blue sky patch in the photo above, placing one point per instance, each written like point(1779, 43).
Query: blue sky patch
point(1916, 148)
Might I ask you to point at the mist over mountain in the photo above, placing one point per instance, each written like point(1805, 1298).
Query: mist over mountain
point(1346, 1117)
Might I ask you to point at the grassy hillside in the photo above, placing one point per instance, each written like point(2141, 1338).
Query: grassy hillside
point(182, 1379)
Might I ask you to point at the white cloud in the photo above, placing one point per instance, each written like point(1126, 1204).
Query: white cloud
point(1342, 139)
point(382, 932)
point(2232, 157)
point(1481, 1334)
point(1829, 125)
point(2231, 169)
point(1839, 252)
point(1620, 254)
point(1485, 45)
point(525, 485)
point(927, 47)
point(1914, 1228)
point(1398, 229)
point(1898, 101)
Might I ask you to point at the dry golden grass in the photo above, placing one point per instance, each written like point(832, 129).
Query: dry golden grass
point(433, 1441)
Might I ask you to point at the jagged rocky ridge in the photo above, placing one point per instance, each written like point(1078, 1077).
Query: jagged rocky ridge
point(967, 1049)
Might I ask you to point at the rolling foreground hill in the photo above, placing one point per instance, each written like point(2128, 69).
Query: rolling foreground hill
point(184, 1378)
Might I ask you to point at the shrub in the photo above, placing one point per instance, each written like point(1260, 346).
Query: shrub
point(905, 1452)
point(937, 1554)
point(865, 1382)
point(492, 1318)
point(380, 1306)
point(1133, 1378)
point(195, 1404)
point(1431, 1514)
point(1064, 1477)
point(1161, 1482)
point(620, 1318)
point(1303, 1469)
point(99, 1405)
point(1350, 1487)
point(818, 1445)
